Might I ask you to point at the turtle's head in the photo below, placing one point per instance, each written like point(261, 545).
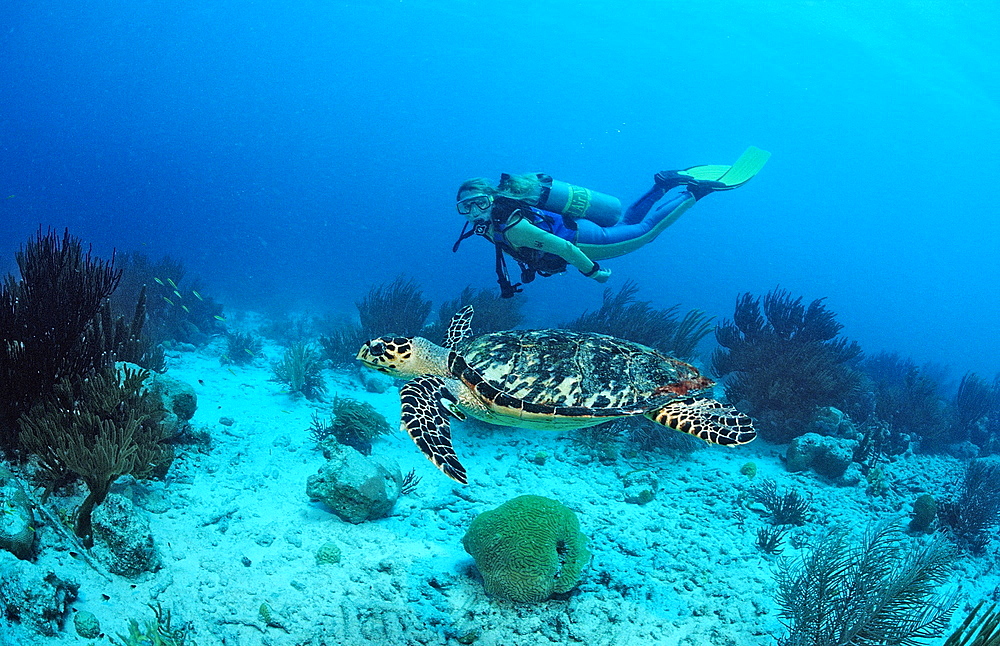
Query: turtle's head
point(404, 356)
point(392, 355)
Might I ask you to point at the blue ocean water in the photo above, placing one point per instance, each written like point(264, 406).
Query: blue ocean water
point(292, 154)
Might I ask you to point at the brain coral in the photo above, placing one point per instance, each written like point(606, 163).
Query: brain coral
point(527, 549)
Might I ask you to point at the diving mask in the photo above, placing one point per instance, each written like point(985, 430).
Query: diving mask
point(480, 202)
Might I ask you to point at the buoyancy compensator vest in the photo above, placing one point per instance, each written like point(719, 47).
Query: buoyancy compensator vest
point(535, 260)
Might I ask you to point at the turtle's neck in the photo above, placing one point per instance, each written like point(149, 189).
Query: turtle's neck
point(429, 358)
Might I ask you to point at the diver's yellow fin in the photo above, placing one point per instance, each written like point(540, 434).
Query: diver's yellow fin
point(741, 172)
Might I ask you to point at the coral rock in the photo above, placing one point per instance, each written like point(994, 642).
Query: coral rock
point(33, 597)
point(832, 421)
point(328, 554)
point(640, 486)
point(87, 625)
point(122, 539)
point(179, 398)
point(375, 382)
point(827, 456)
point(17, 531)
point(924, 511)
point(527, 549)
point(354, 487)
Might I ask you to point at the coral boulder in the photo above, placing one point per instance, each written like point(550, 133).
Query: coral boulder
point(355, 487)
point(527, 549)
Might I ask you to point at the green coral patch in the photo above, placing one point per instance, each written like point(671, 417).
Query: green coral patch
point(87, 625)
point(328, 554)
point(925, 509)
point(527, 549)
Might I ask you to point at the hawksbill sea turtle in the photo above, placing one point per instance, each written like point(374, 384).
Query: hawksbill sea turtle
point(543, 379)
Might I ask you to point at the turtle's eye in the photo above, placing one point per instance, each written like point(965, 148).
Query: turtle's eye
point(376, 348)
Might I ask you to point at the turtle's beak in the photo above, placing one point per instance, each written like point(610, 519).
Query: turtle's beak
point(384, 354)
point(369, 353)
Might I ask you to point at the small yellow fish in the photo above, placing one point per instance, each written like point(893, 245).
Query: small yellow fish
point(178, 294)
point(185, 308)
point(197, 295)
point(231, 371)
point(248, 352)
point(158, 281)
point(172, 283)
point(219, 318)
point(168, 300)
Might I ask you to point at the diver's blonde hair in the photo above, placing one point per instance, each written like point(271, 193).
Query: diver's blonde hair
point(477, 185)
point(525, 187)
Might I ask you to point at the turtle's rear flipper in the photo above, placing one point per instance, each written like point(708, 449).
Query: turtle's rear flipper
point(708, 419)
point(425, 405)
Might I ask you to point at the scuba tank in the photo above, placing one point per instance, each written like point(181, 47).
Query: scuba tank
point(572, 201)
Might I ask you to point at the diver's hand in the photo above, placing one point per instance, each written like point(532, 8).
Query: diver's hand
point(602, 275)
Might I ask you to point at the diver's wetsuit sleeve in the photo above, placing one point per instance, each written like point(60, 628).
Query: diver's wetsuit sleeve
point(525, 234)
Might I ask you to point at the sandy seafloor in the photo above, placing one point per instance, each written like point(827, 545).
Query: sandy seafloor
point(235, 529)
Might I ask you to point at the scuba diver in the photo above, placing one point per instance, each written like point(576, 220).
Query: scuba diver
point(546, 225)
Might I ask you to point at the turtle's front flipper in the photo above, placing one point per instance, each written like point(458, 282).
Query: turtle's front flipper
point(708, 419)
point(425, 407)
point(459, 328)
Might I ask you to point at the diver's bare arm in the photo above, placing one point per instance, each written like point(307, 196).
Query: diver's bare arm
point(525, 234)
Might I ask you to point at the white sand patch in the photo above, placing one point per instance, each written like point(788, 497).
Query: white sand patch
point(236, 530)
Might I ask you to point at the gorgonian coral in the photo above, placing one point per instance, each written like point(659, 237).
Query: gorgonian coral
point(783, 360)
